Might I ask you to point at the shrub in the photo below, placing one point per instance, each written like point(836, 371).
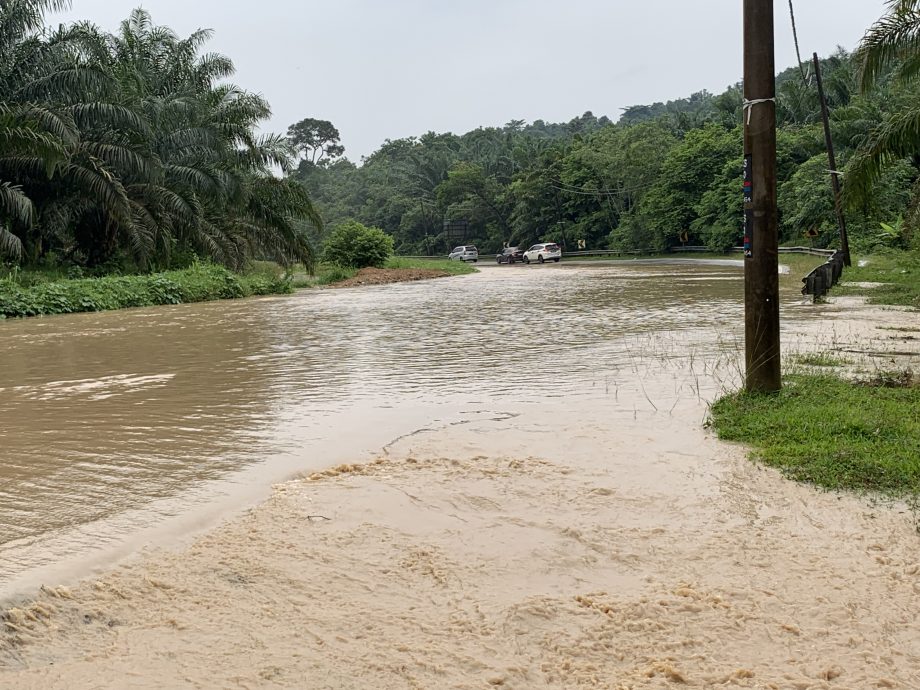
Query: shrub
point(353, 245)
point(198, 283)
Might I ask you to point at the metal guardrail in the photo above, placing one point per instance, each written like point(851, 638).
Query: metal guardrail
point(824, 277)
point(807, 250)
point(672, 250)
point(782, 250)
point(611, 252)
point(817, 283)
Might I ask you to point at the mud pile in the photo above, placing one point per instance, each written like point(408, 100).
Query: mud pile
point(382, 276)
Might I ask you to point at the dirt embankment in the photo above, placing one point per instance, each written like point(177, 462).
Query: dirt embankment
point(382, 276)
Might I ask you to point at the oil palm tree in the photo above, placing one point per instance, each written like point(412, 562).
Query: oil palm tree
point(888, 54)
point(33, 136)
point(134, 143)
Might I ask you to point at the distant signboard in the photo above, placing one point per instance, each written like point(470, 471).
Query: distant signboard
point(456, 230)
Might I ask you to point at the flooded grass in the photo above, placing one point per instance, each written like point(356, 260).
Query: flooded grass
point(895, 276)
point(324, 275)
point(329, 274)
point(820, 359)
point(837, 434)
point(797, 263)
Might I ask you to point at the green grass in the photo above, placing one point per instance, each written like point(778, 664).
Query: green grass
point(327, 274)
point(800, 265)
point(633, 257)
point(833, 433)
point(324, 275)
point(820, 359)
point(57, 291)
point(898, 271)
point(24, 294)
point(797, 263)
point(453, 267)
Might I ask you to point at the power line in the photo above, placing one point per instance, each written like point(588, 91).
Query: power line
point(571, 189)
point(795, 38)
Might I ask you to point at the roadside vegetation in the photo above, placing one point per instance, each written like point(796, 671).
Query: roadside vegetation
point(829, 428)
point(353, 245)
point(126, 152)
point(832, 432)
point(130, 154)
point(31, 295)
point(55, 291)
point(830, 425)
point(661, 175)
point(328, 274)
point(894, 276)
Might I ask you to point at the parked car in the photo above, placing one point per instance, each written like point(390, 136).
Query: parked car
point(466, 252)
point(510, 255)
point(543, 252)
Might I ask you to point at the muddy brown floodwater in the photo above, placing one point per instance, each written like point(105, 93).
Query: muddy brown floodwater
point(505, 482)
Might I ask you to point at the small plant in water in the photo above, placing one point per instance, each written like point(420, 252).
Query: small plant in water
point(898, 378)
point(820, 359)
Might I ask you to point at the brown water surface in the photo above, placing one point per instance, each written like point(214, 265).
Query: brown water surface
point(119, 422)
point(530, 500)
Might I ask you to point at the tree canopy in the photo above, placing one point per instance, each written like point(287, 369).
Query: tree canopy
point(662, 175)
point(135, 146)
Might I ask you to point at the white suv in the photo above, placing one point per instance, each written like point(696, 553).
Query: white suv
point(543, 252)
point(465, 252)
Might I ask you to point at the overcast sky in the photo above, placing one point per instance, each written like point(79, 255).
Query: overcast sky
point(383, 69)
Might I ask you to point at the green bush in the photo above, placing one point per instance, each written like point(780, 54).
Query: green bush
point(353, 245)
point(21, 296)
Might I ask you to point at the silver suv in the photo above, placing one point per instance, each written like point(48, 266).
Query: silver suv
point(466, 252)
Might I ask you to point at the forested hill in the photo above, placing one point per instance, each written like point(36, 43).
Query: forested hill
point(661, 173)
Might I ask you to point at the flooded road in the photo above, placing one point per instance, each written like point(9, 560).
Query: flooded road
point(114, 422)
point(506, 482)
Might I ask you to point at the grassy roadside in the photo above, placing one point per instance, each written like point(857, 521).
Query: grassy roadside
point(457, 268)
point(39, 294)
point(327, 274)
point(828, 430)
point(898, 275)
point(797, 263)
point(834, 433)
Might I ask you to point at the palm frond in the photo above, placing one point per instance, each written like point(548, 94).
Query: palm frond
point(109, 116)
point(94, 177)
point(185, 210)
point(63, 84)
point(15, 205)
point(893, 36)
point(10, 244)
point(123, 159)
point(43, 120)
point(896, 138)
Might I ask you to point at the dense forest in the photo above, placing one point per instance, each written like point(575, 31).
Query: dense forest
point(661, 175)
point(134, 149)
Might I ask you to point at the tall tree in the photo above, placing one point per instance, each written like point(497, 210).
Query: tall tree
point(892, 45)
point(316, 140)
point(132, 145)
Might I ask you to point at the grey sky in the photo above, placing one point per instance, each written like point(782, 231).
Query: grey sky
point(383, 69)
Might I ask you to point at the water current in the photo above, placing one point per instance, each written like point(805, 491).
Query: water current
point(119, 423)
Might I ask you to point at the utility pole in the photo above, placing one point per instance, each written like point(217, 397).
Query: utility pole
point(835, 180)
point(761, 262)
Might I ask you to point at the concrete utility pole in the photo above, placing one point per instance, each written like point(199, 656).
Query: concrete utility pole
point(761, 263)
point(835, 181)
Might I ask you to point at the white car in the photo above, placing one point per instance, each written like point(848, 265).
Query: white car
point(549, 251)
point(466, 252)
